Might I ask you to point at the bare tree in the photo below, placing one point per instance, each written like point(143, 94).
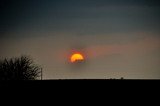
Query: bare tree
point(22, 68)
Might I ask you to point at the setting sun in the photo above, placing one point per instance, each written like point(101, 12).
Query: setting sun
point(76, 57)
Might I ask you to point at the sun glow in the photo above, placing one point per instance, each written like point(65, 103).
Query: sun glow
point(76, 57)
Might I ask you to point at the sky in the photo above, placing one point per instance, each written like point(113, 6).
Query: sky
point(119, 38)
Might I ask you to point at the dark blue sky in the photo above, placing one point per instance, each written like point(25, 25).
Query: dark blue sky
point(120, 38)
point(85, 17)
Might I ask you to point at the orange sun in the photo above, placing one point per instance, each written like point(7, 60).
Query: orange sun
point(76, 57)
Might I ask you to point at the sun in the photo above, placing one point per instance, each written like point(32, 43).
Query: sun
point(76, 57)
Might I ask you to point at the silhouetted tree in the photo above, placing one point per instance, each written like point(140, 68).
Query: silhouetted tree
point(22, 68)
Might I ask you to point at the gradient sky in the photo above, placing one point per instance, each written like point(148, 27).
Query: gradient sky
point(120, 38)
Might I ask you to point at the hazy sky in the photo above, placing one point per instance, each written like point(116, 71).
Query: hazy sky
point(119, 38)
